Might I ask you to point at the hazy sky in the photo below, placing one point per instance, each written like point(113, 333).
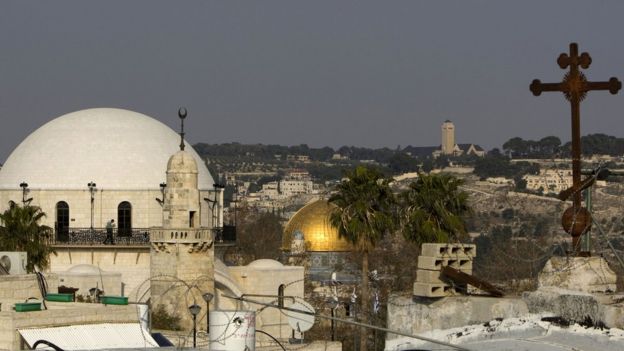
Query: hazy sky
point(334, 73)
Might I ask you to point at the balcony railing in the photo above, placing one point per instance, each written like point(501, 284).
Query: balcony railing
point(100, 236)
point(128, 237)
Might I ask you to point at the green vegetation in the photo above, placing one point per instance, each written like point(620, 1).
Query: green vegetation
point(163, 320)
point(364, 215)
point(432, 209)
point(500, 166)
point(20, 231)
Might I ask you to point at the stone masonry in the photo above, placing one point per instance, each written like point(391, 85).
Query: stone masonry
point(182, 252)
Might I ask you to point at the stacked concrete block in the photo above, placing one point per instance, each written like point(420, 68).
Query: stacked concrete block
point(429, 280)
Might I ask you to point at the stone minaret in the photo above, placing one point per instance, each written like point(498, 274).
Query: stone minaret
point(182, 252)
point(448, 137)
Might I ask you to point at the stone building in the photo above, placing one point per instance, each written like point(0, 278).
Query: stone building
point(163, 249)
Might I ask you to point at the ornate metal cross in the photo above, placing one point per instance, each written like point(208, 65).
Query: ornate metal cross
point(576, 219)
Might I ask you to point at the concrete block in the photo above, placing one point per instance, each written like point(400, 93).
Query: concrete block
point(436, 263)
point(449, 250)
point(432, 277)
point(432, 290)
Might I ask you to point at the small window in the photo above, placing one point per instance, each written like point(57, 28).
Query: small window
point(124, 219)
point(192, 219)
point(62, 221)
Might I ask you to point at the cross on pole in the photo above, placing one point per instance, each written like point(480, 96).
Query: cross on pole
point(576, 220)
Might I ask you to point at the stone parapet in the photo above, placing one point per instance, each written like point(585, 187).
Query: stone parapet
point(181, 235)
point(418, 315)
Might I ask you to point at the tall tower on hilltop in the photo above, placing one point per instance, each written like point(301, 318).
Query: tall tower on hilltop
point(448, 137)
point(182, 251)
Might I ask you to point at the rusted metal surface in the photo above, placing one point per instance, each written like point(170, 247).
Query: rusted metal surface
point(576, 222)
point(575, 87)
point(463, 278)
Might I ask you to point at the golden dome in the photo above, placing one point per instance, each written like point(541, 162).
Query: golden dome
point(313, 221)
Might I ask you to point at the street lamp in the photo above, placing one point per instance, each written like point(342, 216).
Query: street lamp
point(163, 185)
point(92, 190)
point(25, 191)
point(194, 309)
point(207, 297)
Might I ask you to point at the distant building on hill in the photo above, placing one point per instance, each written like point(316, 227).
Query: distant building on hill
point(549, 180)
point(449, 147)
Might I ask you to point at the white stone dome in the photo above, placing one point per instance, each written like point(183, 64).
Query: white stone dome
point(265, 263)
point(117, 149)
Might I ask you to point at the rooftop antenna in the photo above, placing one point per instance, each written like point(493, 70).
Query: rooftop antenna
point(182, 115)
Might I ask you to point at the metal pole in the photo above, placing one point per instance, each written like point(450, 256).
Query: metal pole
point(588, 205)
point(194, 331)
point(333, 336)
point(207, 317)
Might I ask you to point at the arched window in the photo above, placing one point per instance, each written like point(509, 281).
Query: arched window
point(124, 218)
point(62, 221)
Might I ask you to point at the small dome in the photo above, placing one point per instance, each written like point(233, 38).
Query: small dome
point(182, 162)
point(265, 263)
point(85, 269)
point(312, 220)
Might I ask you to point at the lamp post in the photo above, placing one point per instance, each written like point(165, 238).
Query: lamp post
point(207, 297)
point(194, 309)
point(92, 190)
point(25, 191)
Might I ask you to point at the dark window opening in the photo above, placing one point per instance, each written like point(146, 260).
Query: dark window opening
point(192, 219)
point(62, 221)
point(124, 219)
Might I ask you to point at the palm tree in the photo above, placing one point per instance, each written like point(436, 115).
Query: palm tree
point(364, 214)
point(432, 209)
point(20, 231)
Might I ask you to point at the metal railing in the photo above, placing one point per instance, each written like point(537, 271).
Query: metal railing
point(123, 236)
point(101, 236)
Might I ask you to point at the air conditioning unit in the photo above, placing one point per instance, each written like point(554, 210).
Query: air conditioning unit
point(13, 262)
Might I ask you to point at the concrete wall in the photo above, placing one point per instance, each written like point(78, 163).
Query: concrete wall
point(17, 288)
point(420, 315)
point(265, 280)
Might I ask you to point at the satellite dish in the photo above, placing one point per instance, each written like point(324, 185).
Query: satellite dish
point(5, 262)
point(300, 322)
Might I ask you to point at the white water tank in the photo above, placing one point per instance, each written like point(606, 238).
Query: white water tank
point(232, 330)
